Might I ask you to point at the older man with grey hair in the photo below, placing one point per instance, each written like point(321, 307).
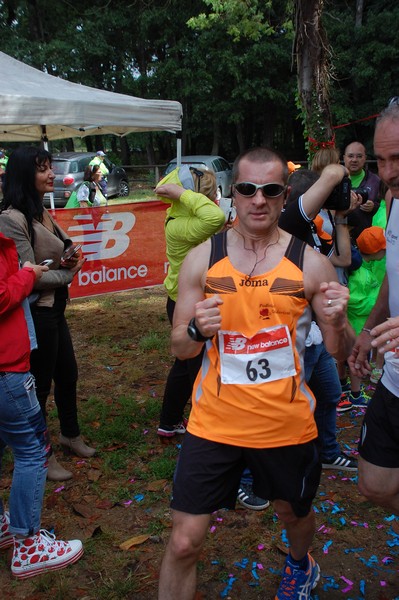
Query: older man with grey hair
point(379, 443)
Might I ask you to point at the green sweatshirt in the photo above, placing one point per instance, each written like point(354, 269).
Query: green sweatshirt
point(189, 221)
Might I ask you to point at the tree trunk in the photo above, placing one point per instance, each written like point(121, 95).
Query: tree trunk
point(150, 150)
point(240, 137)
point(269, 119)
point(359, 13)
point(125, 151)
point(70, 147)
point(312, 57)
point(216, 137)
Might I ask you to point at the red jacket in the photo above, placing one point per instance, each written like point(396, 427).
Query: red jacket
point(15, 285)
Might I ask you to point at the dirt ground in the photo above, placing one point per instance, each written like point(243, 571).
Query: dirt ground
point(123, 493)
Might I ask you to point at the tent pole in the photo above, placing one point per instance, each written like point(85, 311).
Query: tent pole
point(178, 148)
point(44, 140)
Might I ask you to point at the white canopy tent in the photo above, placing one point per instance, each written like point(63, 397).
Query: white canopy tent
point(35, 105)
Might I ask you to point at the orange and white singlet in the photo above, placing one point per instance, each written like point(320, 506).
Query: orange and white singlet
point(250, 390)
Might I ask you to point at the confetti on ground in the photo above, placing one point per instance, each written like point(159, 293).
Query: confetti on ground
point(228, 587)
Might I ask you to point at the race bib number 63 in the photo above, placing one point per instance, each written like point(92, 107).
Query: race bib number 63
point(267, 356)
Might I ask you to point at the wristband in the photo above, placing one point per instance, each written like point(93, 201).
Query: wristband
point(341, 221)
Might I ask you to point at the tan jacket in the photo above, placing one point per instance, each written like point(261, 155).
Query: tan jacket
point(47, 244)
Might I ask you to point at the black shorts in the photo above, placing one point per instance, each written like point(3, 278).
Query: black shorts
point(379, 440)
point(208, 474)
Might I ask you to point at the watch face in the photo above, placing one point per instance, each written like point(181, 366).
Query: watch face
point(192, 331)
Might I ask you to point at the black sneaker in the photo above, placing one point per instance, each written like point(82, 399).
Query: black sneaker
point(171, 430)
point(346, 387)
point(247, 498)
point(343, 462)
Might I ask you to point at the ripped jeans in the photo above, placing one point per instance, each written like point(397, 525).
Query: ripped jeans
point(23, 429)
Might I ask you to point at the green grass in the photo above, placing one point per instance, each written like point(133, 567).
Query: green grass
point(116, 589)
point(155, 340)
point(157, 527)
point(161, 468)
point(51, 581)
point(138, 195)
point(122, 421)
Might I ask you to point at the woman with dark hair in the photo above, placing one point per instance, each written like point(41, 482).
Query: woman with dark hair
point(38, 237)
point(23, 429)
point(89, 192)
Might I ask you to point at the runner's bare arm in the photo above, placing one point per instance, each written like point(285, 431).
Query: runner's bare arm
point(329, 300)
point(358, 360)
point(314, 198)
point(191, 302)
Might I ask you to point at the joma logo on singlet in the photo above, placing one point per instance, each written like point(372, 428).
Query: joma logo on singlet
point(252, 283)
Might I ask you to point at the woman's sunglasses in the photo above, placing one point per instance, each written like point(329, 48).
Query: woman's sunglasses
point(199, 174)
point(269, 190)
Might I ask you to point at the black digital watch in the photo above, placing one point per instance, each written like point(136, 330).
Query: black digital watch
point(195, 333)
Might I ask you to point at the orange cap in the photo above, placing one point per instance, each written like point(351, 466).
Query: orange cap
point(371, 240)
point(292, 166)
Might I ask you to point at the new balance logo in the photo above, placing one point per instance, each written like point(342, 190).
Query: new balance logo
point(108, 238)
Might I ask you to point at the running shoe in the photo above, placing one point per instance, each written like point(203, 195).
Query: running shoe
point(298, 584)
point(343, 462)
point(361, 401)
point(346, 387)
point(247, 498)
point(344, 404)
point(171, 430)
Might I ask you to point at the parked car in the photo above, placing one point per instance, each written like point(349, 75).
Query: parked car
point(217, 164)
point(69, 169)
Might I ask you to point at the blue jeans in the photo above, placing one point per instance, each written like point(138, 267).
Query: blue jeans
point(322, 377)
point(23, 429)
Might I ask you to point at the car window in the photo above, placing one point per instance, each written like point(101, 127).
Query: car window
point(170, 168)
point(82, 164)
point(196, 165)
point(224, 165)
point(216, 165)
point(59, 167)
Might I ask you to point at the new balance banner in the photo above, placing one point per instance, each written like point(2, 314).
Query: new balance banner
point(124, 246)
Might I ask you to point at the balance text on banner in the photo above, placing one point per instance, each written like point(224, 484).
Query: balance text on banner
point(124, 246)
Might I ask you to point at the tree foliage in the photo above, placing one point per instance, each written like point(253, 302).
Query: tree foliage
point(231, 63)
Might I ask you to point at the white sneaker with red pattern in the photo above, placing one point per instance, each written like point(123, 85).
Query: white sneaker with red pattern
point(6, 538)
point(42, 552)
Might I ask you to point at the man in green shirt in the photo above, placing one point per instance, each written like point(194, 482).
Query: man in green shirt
point(355, 161)
point(3, 160)
point(3, 164)
point(99, 160)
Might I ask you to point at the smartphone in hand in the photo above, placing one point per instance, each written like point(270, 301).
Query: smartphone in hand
point(71, 251)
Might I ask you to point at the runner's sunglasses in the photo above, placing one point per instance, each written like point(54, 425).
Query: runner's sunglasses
point(269, 190)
